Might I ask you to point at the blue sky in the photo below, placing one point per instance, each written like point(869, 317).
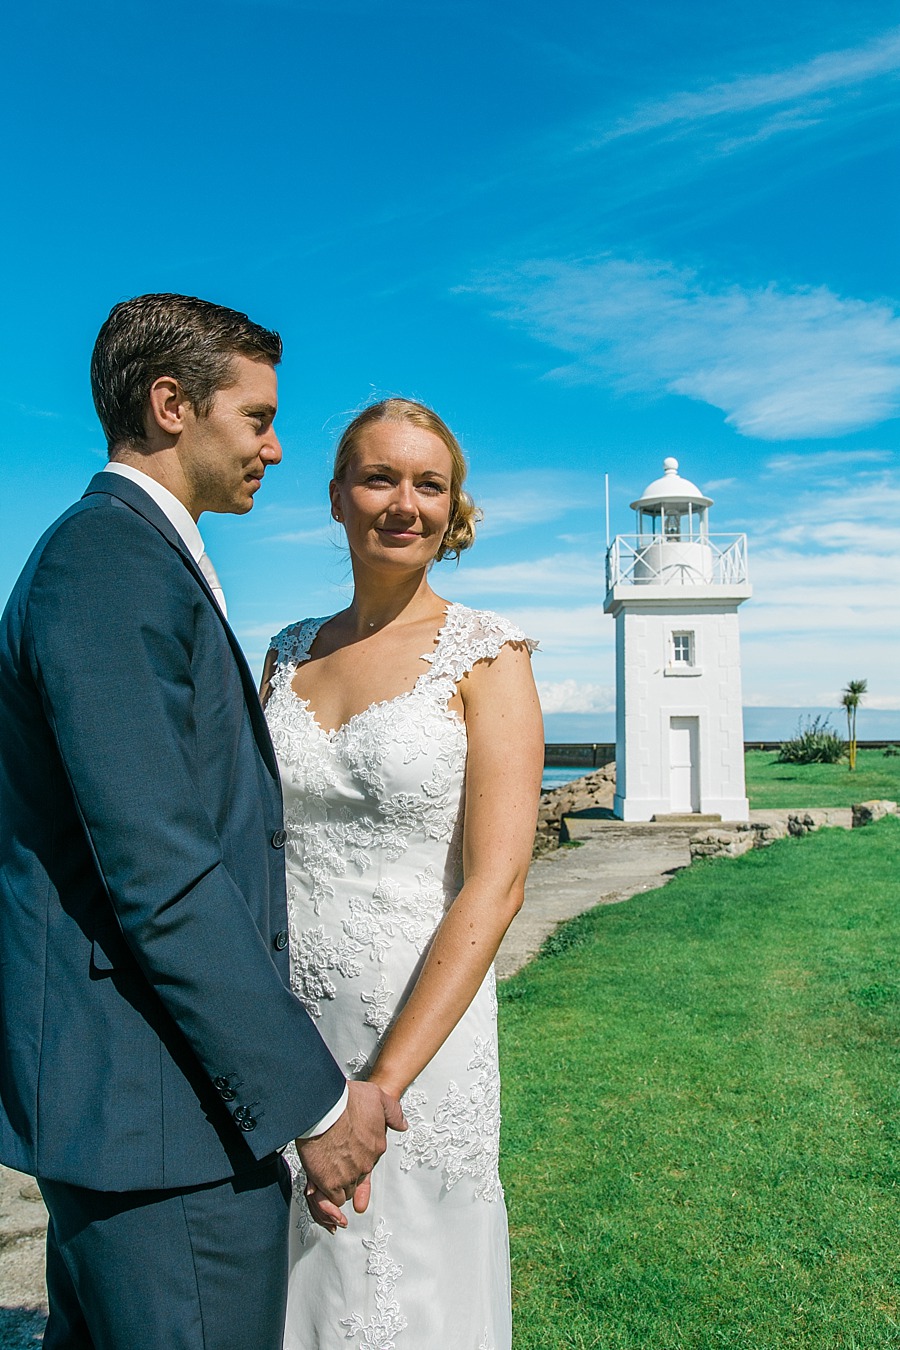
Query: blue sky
point(590, 235)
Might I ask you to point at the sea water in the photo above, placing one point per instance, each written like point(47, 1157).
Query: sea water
point(555, 777)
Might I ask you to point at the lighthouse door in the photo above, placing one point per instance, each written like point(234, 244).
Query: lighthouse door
point(684, 777)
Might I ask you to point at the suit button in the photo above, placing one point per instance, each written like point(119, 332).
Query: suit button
point(243, 1117)
point(279, 839)
point(281, 940)
point(220, 1083)
point(227, 1094)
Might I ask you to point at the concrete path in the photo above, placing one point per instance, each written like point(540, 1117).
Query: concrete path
point(612, 862)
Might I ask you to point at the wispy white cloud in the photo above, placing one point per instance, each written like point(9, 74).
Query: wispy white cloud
point(780, 125)
point(560, 574)
point(781, 364)
point(314, 535)
point(573, 696)
point(826, 578)
point(823, 461)
point(564, 629)
point(521, 499)
point(828, 71)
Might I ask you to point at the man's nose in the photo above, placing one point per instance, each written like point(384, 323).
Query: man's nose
point(271, 451)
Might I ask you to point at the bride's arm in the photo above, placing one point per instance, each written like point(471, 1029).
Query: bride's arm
point(503, 779)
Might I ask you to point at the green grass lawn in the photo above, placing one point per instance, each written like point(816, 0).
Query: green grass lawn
point(770, 784)
point(702, 1110)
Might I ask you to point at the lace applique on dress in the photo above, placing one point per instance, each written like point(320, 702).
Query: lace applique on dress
point(387, 1321)
point(379, 1007)
point(463, 1136)
point(313, 955)
point(392, 909)
point(470, 636)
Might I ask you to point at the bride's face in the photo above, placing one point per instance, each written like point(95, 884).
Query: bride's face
point(394, 499)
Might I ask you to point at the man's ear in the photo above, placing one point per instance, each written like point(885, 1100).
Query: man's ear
point(166, 407)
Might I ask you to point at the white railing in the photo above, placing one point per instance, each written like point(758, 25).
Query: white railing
point(691, 560)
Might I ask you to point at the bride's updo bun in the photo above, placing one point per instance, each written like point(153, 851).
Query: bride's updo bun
point(464, 514)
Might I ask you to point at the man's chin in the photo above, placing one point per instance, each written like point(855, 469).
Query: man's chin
point(238, 507)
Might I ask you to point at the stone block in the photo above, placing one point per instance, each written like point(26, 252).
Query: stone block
point(767, 832)
point(798, 825)
point(866, 812)
point(594, 790)
point(722, 843)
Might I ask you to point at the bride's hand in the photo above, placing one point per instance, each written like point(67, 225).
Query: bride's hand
point(322, 1211)
point(326, 1214)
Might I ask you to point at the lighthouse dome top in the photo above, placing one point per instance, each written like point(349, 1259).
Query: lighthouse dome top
point(671, 488)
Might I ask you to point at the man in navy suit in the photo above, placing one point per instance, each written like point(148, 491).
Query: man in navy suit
point(154, 1060)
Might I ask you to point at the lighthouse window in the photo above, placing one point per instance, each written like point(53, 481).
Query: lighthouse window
point(683, 649)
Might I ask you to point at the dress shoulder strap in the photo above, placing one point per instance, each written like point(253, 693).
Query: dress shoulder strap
point(292, 644)
point(469, 636)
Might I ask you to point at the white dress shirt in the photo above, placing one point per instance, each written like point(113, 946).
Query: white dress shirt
point(181, 520)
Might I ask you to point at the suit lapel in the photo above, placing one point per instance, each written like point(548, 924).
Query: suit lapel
point(116, 485)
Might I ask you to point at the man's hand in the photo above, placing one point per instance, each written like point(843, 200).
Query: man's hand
point(340, 1160)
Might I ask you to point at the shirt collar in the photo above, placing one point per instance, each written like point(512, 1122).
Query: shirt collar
point(175, 511)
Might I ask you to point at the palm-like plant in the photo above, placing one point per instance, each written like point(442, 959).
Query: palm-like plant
point(851, 697)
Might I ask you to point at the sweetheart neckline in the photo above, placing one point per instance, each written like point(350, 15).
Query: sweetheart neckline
point(331, 736)
point(379, 702)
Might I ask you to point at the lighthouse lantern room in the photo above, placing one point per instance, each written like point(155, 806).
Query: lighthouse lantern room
point(674, 591)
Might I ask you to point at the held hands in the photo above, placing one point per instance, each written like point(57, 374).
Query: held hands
point(338, 1162)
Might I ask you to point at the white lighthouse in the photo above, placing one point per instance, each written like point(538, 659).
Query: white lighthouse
point(674, 590)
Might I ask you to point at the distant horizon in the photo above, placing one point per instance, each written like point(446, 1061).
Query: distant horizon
point(760, 724)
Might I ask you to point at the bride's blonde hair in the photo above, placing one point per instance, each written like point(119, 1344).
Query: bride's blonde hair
point(464, 514)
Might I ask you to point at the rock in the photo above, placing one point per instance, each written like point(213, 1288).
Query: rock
point(867, 812)
point(766, 832)
point(800, 825)
point(594, 790)
point(723, 843)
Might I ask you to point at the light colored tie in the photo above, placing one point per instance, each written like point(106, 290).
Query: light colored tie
point(205, 564)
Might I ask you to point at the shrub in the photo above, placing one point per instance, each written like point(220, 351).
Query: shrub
point(892, 752)
point(817, 742)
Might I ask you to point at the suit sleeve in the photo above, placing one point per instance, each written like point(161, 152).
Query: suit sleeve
point(113, 619)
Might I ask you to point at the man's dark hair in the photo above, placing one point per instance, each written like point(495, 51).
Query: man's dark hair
point(191, 340)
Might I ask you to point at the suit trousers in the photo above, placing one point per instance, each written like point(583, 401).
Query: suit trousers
point(203, 1268)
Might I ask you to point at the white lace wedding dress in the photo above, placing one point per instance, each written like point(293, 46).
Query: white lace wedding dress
point(373, 813)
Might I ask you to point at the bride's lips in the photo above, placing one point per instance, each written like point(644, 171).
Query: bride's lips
point(400, 534)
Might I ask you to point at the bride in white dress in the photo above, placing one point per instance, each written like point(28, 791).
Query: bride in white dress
point(410, 743)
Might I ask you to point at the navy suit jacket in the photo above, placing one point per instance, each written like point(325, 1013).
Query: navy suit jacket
point(149, 1036)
